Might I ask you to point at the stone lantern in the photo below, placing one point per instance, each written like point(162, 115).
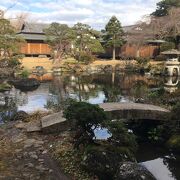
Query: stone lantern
point(172, 64)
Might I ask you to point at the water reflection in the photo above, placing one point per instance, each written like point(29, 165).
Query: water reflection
point(159, 169)
point(7, 107)
point(96, 89)
point(161, 163)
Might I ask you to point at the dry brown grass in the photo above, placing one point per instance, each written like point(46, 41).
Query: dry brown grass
point(113, 62)
point(30, 62)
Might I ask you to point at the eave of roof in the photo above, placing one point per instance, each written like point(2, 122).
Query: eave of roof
point(29, 36)
point(156, 41)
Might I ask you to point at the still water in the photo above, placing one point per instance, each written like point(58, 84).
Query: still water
point(99, 88)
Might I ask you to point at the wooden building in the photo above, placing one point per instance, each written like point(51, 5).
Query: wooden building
point(150, 49)
point(36, 45)
point(139, 43)
point(35, 38)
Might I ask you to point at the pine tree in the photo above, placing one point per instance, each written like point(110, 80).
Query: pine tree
point(113, 35)
point(9, 41)
point(59, 37)
point(163, 7)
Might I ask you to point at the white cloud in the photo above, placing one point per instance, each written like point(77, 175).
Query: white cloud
point(94, 12)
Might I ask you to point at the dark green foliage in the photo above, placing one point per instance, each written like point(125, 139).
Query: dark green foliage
point(156, 134)
point(156, 94)
point(4, 87)
point(113, 31)
point(85, 118)
point(25, 74)
point(14, 62)
point(174, 143)
point(163, 7)
point(8, 110)
point(102, 160)
point(107, 155)
point(121, 137)
point(160, 133)
point(9, 44)
point(86, 42)
point(59, 37)
point(176, 112)
point(167, 46)
point(84, 57)
point(113, 34)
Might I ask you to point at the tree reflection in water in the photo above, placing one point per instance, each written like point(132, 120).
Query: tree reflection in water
point(101, 88)
point(8, 107)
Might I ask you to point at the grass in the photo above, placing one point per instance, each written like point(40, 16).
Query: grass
point(4, 87)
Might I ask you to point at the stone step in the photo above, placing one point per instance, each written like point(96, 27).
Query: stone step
point(54, 123)
point(34, 127)
point(48, 124)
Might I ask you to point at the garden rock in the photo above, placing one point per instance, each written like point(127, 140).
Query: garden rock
point(20, 116)
point(133, 171)
point(28, 84)
point(54, 123)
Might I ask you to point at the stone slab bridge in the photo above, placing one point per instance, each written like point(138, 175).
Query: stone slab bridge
point(136, 111)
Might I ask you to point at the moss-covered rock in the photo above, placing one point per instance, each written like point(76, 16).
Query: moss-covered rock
point(174, 143)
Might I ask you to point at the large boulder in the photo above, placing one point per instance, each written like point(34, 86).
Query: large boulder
point(28, 84)
point(132, 171)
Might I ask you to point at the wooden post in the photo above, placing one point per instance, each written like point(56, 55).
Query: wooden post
point(29, 48)
point(40, 50)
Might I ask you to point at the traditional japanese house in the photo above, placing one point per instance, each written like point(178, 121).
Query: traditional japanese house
point(35, 38)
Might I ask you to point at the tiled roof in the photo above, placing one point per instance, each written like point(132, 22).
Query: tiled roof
point(33, 28)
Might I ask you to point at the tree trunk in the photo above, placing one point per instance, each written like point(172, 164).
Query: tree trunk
point(114, 53)
point(138, 53)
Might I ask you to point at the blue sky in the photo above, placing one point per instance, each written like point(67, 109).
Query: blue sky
point(93, 12)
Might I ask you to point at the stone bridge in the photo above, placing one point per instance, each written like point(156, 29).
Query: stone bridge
point(131, 111)
point(136, 111)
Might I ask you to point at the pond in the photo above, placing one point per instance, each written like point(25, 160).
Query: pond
point(100, 88)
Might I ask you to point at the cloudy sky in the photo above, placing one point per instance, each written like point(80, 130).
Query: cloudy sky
point(93, 12)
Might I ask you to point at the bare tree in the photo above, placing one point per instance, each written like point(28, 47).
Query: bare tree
point(138, 35)
point(166, 26)
point(19, 20)
point(161, 28)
